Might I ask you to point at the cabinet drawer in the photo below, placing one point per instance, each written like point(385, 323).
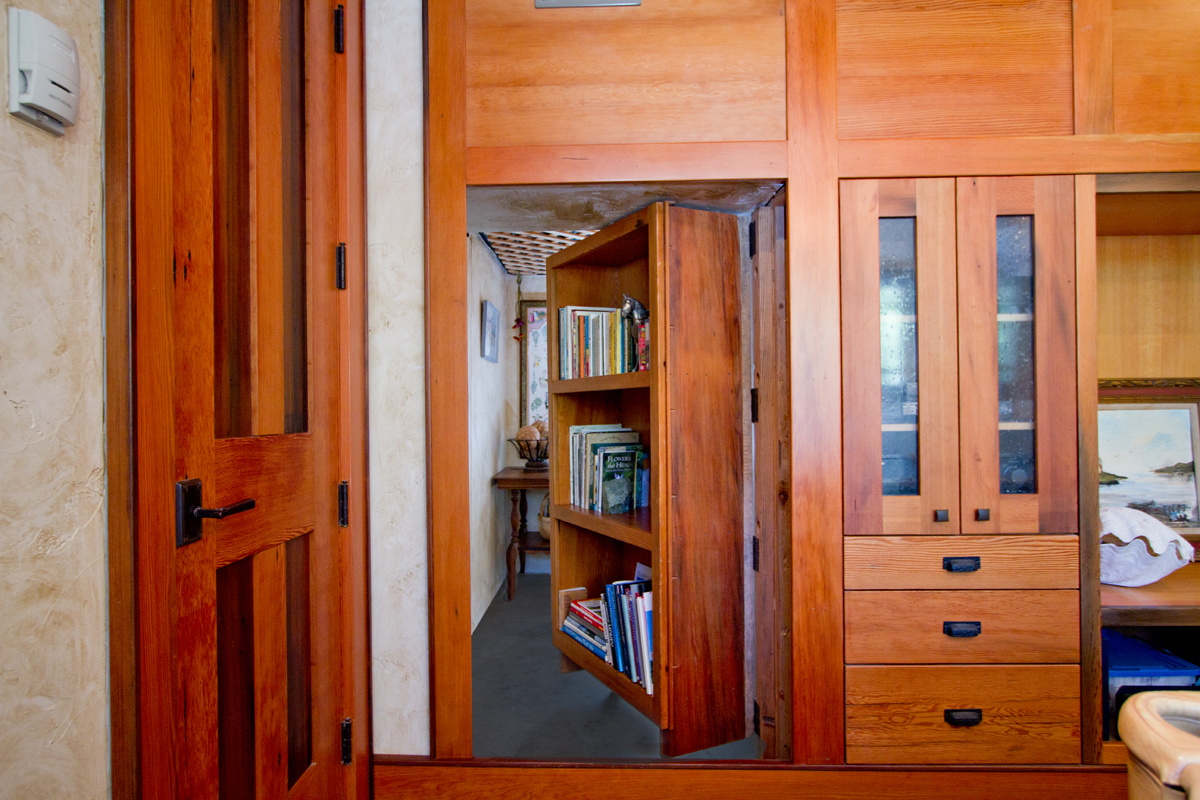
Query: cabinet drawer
point(1025, 627)
point(980, 562)
point(1027, 715)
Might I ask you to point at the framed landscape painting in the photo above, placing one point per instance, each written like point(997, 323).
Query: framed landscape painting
point(1148, 460)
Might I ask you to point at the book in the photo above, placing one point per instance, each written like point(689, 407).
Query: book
point(644, 638)
point(573, 624)
point(595, 473)
point(615, 629)
point(591, 630)
point(584, 446)
point(583, 640)
point(616, 473)
point(595, 340)
point(589, 610)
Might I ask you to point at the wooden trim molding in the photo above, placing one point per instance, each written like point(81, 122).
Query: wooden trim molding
point(1152, 383)
point(120, 452)
point(405, 778)
point(694, 161)
point(1018, 155)
point(446, 348)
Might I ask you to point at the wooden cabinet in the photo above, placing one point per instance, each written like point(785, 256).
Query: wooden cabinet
point(961, 489)
point(684, 265)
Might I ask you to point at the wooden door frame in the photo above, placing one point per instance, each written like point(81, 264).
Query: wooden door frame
point(120, 123)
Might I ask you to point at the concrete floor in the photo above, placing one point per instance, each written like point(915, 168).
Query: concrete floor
point(525, 708)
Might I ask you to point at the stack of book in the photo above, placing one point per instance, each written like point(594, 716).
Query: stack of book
point(619, 628)
point(599, 341)
point(610, 469)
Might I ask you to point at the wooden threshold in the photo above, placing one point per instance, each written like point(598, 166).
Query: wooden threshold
point(632, 528)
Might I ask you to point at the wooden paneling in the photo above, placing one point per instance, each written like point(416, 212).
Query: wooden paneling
point(270, 673)
point(494, 166)
point(668, 71)
point(1093, 41)
point(954, 68)
point(1005, 562)
point(1155, 62)
point(1149, 297)
point(1026, 627)
point(1018, 155)
point(895, 715)
point(398, 778)
point(1148, 214)
point(815, 345)
point(1091, 711)
point(446, 390)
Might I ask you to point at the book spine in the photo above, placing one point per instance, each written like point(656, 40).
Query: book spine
point(644, 649)
point(607, 628)
point(614, 620)
point(587, 615)
point(630, 638)
point(583, 640)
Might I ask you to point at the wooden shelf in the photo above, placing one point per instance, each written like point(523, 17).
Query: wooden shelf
point(603, 383)
point(632, 528)
point(631, 692)
point(1175, 600)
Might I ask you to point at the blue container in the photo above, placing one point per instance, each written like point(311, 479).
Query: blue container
point(1132, 662)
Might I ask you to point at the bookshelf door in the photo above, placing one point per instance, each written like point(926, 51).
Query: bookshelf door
point(900, 369)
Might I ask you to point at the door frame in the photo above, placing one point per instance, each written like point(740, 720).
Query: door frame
point(120, 125)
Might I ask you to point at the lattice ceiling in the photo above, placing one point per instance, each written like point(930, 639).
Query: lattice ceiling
point(525, 253)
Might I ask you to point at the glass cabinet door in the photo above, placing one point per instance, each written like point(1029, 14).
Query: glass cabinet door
point(1016, 338)
point(900, 398)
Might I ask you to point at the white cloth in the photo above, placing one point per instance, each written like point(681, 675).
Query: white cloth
point(1136, 549)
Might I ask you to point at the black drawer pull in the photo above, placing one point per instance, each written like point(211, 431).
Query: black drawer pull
point(983, 514)
point(963, 717)
point(941, 515)
point(962, 630)
point(961, 563)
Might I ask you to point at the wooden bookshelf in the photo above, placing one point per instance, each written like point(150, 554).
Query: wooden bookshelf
point(683, 265)
point(1174, 600)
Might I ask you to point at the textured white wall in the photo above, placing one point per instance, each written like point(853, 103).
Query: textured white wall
point(396, 376)
point(53, 639)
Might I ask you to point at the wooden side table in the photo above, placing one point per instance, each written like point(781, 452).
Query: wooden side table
point(517, 481)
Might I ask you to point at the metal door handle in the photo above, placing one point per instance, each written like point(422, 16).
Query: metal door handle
point(223, 511)
point(189, 499)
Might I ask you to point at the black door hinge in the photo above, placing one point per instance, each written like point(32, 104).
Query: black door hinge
point(755, 557)
point(347, 740)
point(341, 265)
point(344, 504)
point(339, 29)
point(757, 726)
point(753, 237)
point(754, 405)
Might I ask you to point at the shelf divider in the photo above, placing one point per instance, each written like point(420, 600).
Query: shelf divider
point(603, 383)
point(631, 692)
point(632, 528)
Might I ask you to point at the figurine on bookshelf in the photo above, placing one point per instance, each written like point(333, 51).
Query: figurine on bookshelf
point(633, 310)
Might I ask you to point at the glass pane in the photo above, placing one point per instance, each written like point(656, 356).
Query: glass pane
point(898, 353)
point(299, 659)
point(273, 355)
point(1015, 339)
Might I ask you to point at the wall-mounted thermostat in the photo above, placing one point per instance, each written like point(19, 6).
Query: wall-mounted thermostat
point(43, 72)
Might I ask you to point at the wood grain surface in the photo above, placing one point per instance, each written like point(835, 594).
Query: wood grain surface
point(1148, 214)
point(954, 68)
point(1017, 627)
point(1148, 296)
point(1174, 600)
point(1006, 562)
point(895, 715)
point(1155, 66)
point(672, 71)
point(1092, 22)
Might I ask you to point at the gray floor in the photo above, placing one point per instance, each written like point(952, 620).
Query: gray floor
point(525, 708)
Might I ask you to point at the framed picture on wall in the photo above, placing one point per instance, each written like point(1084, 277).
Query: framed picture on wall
point(489, 332)
point(535, 363)
point(1148, 458)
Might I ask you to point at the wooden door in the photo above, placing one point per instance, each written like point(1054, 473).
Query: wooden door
point(1016, 330)
point(243, 677)
point(899, 364)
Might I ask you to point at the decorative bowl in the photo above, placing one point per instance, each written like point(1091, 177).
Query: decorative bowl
point(534, 451)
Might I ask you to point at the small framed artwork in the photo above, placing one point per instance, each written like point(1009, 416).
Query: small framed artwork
point(535, 363)
point(1148, 459)
point(489, 332)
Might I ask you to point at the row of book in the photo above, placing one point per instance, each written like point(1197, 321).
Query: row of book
point(610, 469)
point(599, 341)
point(619, 628)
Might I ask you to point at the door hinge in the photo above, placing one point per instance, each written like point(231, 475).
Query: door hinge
point(341, 265)
point(347, 740)
point(339, 29)
point(344, 504)
point(753, 237)
point(757, 726)
point(754, 405)
point(755, 556)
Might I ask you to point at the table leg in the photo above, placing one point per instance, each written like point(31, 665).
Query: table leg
point(514, 545)
point(521, 533)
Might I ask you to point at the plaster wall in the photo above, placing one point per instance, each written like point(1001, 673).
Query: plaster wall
point(53, 635)
point(396, 370)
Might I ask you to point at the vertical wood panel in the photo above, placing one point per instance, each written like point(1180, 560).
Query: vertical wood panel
point(269, 569)
point(446, 379)
point(814, 295)
point(1155, 62)
point(1055, 343)
point(1089, 469)
point(1093, 39)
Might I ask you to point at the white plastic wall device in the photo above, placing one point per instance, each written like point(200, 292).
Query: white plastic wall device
point(43, 72)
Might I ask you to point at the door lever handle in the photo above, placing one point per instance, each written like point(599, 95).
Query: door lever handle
point(223, 511)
